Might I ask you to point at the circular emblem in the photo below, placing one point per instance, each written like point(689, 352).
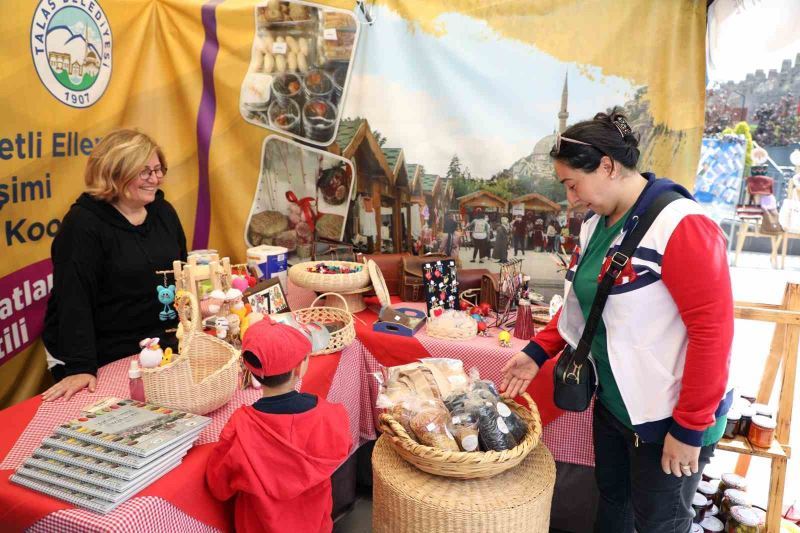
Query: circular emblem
point(71, 45)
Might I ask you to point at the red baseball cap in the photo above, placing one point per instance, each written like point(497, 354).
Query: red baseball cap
point(278, 347)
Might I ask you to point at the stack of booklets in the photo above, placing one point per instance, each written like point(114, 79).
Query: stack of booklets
point(109, 453)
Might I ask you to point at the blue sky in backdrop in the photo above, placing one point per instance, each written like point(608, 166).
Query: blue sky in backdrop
point(470, 92)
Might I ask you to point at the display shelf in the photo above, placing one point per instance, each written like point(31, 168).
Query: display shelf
point(741, 445)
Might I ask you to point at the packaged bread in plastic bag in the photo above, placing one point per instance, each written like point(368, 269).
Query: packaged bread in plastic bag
point(430, 426)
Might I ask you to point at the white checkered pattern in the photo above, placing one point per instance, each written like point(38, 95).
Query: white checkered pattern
point(569, 437)
point(149, 513)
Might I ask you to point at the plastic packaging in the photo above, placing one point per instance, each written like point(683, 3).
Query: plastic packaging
point(465, 430)
point(430, 427)
point(493, 432)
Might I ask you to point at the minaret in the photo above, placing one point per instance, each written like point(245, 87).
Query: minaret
point(563, 115)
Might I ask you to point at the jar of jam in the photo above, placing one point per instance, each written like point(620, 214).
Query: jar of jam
point(743, 520)
point(732, 424)
point(714, 511)
point(699, 503)
point(696, 528)
point(710, 474)
point(733, 498)
point(708, 490)
point(762, 430)
point(744, 423)
point(764, 410)
point(712, 524)
point(729, 481)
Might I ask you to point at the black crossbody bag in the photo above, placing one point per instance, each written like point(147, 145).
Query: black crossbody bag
point(575, 375)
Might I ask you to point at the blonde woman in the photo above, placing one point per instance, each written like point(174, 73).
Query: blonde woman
point(114, 238)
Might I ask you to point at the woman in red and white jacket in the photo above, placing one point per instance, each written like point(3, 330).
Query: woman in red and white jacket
point(663, 347)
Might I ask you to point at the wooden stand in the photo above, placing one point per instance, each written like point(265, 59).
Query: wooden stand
point(783, 351)
point(188, 275)
point(748, 227)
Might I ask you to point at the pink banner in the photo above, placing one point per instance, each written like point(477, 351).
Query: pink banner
point(22, 309)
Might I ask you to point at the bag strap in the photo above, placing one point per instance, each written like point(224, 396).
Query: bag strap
point(619, 260)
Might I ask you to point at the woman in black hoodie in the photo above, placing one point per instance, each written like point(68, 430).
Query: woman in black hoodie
point(111, 242)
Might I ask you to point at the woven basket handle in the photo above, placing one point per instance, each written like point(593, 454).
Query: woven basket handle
point(190, 318)
point(346, 307)
point(390, 426)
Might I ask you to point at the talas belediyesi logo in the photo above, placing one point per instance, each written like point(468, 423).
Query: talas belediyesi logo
point(71, 45)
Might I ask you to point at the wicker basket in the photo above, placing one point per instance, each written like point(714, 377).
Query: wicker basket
point(465, 465)
point(317, 282)
point(324, 315)
point(434, 328)
point(408, 500)
point(203, 377)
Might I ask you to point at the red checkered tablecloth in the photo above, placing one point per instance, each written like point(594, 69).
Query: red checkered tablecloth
point(350, 382)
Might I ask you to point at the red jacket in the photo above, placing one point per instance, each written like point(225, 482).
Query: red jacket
point(279, 467)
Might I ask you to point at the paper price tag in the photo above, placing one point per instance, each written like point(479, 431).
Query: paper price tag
point(330, 34)
point(279, 48)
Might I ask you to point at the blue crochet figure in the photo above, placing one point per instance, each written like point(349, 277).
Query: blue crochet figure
point(166, 295)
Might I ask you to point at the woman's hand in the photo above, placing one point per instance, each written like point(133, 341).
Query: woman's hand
point(70, 385)
point(678, 458)
point(517, 375)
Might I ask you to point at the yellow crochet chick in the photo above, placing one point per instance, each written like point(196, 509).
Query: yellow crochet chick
point(167, 357)
point(505, 339)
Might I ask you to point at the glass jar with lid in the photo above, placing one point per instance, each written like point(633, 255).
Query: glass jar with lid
point(747, 413)
point(712, 524)
point(733, 498)
point(732, 424)
point(762, 431)
point(708, 490)
point(743, 520)
point(699, 504)
point(729, 481)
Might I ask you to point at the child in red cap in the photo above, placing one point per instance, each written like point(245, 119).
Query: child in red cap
point(277, 456)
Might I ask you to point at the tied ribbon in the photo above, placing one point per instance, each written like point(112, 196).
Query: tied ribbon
point(305, 207)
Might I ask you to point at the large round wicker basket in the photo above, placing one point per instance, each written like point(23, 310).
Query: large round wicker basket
point(317, 282)
point(341, 337)
point(465, 465)
point(408, 500)
point(203, 377)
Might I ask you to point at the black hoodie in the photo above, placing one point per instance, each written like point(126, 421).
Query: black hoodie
point(104, 298)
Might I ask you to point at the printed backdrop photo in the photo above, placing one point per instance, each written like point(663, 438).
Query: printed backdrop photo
point(432, 101)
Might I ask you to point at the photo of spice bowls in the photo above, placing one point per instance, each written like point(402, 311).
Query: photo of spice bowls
point(301, 53)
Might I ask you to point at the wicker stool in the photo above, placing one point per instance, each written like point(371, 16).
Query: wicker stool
point(406, 499)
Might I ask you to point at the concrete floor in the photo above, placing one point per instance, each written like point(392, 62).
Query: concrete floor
point(753, 280)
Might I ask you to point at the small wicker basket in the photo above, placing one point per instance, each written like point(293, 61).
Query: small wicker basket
point(317, 282)
point(325, 315)
point(465, 465)
point(203, 377)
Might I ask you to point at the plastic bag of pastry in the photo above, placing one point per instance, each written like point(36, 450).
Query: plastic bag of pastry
point(449, 375)
point(493, 432)
point(403, 411)
point(465, 429)
point(430, 427)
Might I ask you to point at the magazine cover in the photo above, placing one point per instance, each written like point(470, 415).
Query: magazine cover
point(135, 427)
point(68, 483)
point(103, 466)
point(74, 497)
point(71, 444)
point(102, 473)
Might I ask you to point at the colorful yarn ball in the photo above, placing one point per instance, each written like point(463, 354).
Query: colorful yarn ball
point(240, 283)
